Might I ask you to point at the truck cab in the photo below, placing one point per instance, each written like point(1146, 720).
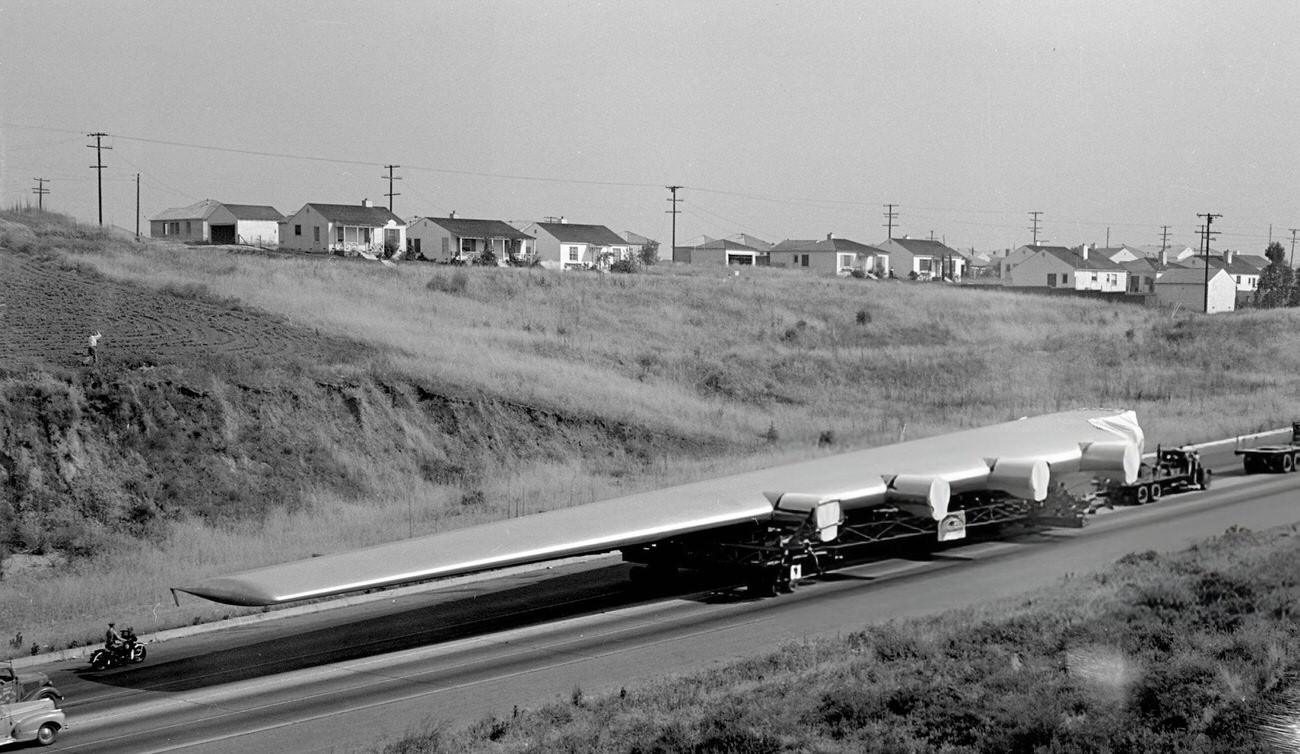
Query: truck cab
point(26, 686)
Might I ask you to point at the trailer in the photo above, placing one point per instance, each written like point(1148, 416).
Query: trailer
point(771, 557)
point(1174, 470)
point(1275, 459)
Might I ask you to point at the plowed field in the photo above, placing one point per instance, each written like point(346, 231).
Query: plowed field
point(49, 307)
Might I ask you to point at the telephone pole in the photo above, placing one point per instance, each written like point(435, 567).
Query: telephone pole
point(1164, 238)
point(1033, 225)
point(41, 191)
point(1291, 262)
point(390, 194)
point(890, 216)
point(98, 167)
point(674, 212)
point(137, 206)
point(1207, 234)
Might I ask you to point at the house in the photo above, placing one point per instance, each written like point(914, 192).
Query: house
point(1142, 274)
point(344, 229)
point(639, 243)
point(210, 221)
point(462, 239)
point(830, 256)
point(1168, 253)
point(721, 251)
point(1120, 254)
point(751, 241)
point(565, 245)
point(1013, 258)
point(923, 259)
point(1245, 276)
point(1186, 288)
point(1059, 267)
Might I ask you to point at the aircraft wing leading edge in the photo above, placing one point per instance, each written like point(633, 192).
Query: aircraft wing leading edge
point(1017, 457)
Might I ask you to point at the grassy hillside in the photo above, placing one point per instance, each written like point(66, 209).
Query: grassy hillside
point(252, 408)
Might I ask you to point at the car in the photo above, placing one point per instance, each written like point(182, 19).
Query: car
point(37, 720)
point(26, 686)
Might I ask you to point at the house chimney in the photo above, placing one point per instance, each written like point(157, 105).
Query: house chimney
point(1084, 252)
point(452, 216)
point(1227, 256)
point(828, 236)
point(1164, 257)
point(562, 220)
point(365, 202)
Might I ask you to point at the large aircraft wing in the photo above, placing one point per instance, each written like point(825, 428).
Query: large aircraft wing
point(1016, 457)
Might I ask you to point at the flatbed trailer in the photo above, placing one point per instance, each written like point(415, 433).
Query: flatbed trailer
point(771, 557)
point(1174, 470)
point(1275, 459)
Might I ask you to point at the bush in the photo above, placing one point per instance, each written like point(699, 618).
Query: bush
point(623, 265)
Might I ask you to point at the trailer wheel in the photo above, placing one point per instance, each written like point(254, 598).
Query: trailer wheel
point(1143, 495)
point(1295, 461)
point(1205, 478)
point(1288, 464)
point(1156, 491)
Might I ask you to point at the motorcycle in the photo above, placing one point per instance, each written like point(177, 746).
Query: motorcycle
point(130, 650)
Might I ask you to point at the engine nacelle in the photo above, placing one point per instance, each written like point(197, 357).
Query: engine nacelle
point(796, 508)
point(1112, 456)
point(919, 495)
point(1020, 477)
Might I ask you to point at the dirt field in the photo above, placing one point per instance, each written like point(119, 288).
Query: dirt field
point(49, 307)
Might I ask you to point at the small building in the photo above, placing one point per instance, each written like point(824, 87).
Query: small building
point(830, 256)
point(1059, 267)
point(721, 252)
point(1244, 274)
point(923, 259)
point(211, 221)
point(463, 239)
point(1186, 288)
point(1142, 274)
point(565, 245)
point(639, 243)
point(344, 229)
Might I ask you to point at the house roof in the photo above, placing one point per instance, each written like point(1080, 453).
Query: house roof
point(1185, 276)
point(827, 245)
point(202, 210)
point(355, 214)
point(752, 241)
point(1075, 260)
point(465, 227)
point(636, 239)
point(924, 247)
point(596, 235)
point(1236, 267)
point(725, 245)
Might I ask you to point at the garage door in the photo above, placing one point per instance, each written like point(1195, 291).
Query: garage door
point(223, 234)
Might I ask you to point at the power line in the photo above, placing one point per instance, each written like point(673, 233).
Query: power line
point(40, 192)
point(890, 217)
point(391, 178)
point(1033, 224)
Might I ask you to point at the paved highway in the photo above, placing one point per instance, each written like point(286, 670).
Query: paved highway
point(344, 679)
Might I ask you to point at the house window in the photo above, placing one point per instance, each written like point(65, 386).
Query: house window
point(467, 246)
point(804, 263)
point(573, 253)
point(188, 229)
point(316, 233)
point(297, 230)
point(1065, 278)
point(1051, 280)
point(338, 236)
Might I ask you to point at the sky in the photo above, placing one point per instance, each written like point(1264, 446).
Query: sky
point(782, 120)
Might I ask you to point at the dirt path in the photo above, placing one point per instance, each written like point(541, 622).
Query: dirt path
point(48, 308)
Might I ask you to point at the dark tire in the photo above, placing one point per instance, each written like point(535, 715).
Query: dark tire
point(1288, 465)
point(1143, 495)
point(1156, 491)
point(1205, 479)
point(47, 734)
point(99, 660)
point(138, 653)
point(1248, 465)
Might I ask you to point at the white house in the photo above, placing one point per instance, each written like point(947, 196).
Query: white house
point(1059, 267)
point(210, 221)
point(566, 246)
point(345, 229)
point(461, 239)
point(923, 259)
point(1244, 275)
point(1186, 288)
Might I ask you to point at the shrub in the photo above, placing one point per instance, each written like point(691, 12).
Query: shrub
point(455, 283)
point(623, 266)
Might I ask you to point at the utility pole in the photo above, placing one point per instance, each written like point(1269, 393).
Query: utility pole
point(890, 216)
point(1164, 238)
point(390, 194)
point(137, 206)
point(40, 191)
point(98, 167)
point(1209, 218)
point(674, 212)
point(1033, 225)
point(1291, 262)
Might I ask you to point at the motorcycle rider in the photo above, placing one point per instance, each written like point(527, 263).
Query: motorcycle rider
point(112, 639)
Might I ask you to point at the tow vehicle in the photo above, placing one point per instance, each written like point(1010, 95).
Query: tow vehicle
point(38, 720)
point(1174, 470)
point(1276, 459)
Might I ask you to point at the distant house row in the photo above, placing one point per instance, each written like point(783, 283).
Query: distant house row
point(912, 258)
point(351, 229)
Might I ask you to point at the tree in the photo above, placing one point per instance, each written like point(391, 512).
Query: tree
point(649, 253)
point(1276, 281)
